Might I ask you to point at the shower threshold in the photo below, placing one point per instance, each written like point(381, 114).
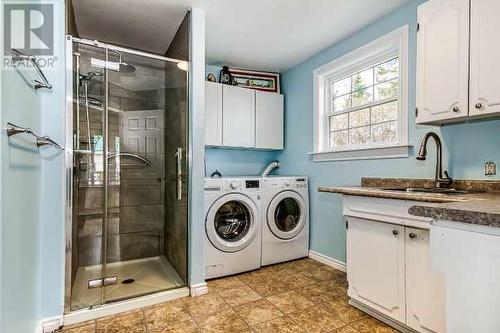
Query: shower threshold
point(135, 278)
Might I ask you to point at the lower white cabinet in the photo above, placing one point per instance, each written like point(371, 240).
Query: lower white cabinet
point(389, 271)
point(376, 266)
point(425, 288)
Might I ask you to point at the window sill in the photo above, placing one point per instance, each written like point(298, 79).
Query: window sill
point(396, 151)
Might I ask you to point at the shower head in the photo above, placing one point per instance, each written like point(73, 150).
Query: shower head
point(123, 66)
point(126, 68)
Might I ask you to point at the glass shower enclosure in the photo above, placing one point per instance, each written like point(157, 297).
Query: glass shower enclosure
point(126, 228)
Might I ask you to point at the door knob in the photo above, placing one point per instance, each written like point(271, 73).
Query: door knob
point(456, 109)
point(395, 232)
point(412, 235)
point(479, 105)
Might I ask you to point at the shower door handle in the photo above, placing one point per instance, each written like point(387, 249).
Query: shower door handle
point(178, 155)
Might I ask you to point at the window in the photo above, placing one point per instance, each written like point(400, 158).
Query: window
point(361, 102)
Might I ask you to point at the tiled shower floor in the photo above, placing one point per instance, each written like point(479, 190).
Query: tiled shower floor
point(298, 296)
point(149, 274)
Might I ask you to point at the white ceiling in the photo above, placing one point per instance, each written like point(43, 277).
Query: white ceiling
point(258, 34)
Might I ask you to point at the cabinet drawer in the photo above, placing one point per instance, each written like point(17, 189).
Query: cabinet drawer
point(385, 210)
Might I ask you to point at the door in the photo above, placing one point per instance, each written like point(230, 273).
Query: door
point(442, 61)
point(213, 114)
point(376, 266)
point(425, 287)
point(231, 222)
point(286, 215)
point(145, 148)
point(268, 120)
point(484, 55)
point(238, 109)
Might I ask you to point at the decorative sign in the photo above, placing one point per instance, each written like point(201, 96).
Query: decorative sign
point(264, 81)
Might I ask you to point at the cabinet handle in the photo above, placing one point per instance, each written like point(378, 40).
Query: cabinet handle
point(412, 235)
point(479, 105)
point(456, 109)
point(395, 232)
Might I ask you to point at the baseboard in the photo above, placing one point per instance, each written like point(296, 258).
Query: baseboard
point(199, 289)
point(334, 263)
point(51, 324)
point(123, 306)
point(38, 328)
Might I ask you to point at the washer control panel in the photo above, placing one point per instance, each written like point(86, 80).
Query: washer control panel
point(236, 185)
point(287, 182)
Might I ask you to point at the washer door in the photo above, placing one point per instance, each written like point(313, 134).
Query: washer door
point(286, 214)
point(231, 222)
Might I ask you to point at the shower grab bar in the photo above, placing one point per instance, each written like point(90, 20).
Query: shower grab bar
point(40, 140)
point(19, 56)
point(139, 157)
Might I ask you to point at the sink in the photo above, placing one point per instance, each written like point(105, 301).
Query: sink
point(428, 190)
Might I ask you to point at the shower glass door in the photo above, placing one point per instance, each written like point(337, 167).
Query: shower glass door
point(136, 162)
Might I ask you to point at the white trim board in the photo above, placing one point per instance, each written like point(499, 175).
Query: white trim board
point(51, 324)
point(199, 289)
point(334, 263)
point(123, 306)
point(395, 43)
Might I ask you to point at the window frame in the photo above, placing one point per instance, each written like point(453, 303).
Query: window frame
point(391, 45)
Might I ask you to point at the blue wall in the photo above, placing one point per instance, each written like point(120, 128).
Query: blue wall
point(237, 162)
point(467, 146)
point(31, 221)
point(52, 251)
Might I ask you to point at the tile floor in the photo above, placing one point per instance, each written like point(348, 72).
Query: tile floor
point(298, 296)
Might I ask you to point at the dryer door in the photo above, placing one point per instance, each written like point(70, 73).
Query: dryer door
point(286, 215)
point(231, 222)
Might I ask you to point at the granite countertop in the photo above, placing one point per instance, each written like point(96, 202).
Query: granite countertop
point(480, 208)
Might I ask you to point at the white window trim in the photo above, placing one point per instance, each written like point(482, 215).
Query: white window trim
point(394, 43)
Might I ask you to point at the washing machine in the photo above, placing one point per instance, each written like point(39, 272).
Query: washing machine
point(232, 225)
point(285, 222)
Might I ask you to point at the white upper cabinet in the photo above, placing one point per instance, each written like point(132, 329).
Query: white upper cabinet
point(458, 72)
point(425, 287)
point(484, 58)
point(376, 266)
point(243, 118)
point(442, 60)
point(238, 107)
point(213, 114)
point(268, 120)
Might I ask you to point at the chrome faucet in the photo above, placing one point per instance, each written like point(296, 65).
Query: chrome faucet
point(439, 181)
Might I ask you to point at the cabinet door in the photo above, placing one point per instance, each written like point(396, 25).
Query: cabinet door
point(484, 58)
point(238, 117)
point(268, 120)
point(443, 61)
point(425, 288)
point(213, 114)
point(376, 267)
